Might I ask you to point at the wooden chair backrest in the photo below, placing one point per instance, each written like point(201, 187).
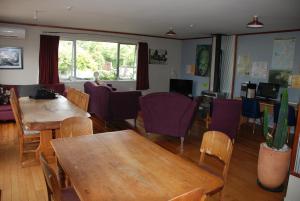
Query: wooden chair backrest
point(70, 93)
point(194, 195)
point(217, 144)
point(16, 111)
point(78, 98)
point(51, 179)
point(76, 126)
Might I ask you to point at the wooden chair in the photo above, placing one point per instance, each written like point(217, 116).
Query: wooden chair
point(194, 195)
point(76, 126)
point(217, 144)
point(78, 98)
point(28, 140)
point(53, 189)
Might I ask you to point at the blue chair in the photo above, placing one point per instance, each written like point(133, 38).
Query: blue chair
point(291, 116)
point(251, 110)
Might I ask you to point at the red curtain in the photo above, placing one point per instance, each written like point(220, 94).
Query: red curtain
point(142, 75)
point(48, 71)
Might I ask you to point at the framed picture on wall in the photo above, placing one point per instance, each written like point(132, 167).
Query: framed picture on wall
point(11, 58)
point(203, 60)
point(158, 56)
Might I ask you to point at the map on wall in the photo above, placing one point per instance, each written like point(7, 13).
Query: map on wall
point(283, 53)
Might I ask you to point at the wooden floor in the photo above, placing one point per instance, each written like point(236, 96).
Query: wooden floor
point(27, 184)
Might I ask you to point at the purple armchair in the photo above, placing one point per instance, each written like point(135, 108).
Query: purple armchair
point(168, 113)
point(112, 105)
point(226, 116)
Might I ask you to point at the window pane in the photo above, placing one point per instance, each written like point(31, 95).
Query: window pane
point(94, 56)
point(127, 62)
point(65, 64)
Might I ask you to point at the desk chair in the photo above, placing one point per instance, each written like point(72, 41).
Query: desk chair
point(251, 109)
point(291, 117)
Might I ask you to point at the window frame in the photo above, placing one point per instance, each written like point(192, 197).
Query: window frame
point(74, 64)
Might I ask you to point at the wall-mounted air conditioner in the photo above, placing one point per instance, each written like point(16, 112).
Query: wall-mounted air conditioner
point(10, 32)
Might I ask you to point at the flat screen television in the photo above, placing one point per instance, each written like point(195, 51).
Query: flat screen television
point(181, 86)
point(267, 90)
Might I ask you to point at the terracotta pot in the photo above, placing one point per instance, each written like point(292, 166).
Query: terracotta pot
point(273, 166)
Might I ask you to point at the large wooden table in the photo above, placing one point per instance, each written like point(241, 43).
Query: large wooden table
point(45, 116)
point(125, 166)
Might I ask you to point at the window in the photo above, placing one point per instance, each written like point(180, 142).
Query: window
point(80, 59)
point(65, 59)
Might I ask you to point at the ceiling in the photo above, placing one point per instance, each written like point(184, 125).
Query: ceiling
point(157, 16)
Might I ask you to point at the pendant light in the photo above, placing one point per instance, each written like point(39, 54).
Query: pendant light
point(171, 32)
point(255, 23)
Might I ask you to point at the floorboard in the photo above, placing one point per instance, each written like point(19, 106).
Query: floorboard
point(27, 184)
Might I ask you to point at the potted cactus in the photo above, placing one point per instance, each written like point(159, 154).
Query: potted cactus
point(274, 154)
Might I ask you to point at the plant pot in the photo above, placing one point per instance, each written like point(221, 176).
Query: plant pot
point(273, 166)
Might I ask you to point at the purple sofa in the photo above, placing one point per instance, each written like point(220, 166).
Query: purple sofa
point(226, 116)
point(6, 113)
point(112, 105)
point(168, 113)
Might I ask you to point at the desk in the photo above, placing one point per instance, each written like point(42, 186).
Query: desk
point(125, 166)
point(45, 116)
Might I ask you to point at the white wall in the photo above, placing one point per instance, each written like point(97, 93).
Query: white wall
point(159, 75)
point(293, 193)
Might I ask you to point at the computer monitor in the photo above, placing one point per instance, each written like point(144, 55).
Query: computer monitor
point(267, 90)
point(181, 86)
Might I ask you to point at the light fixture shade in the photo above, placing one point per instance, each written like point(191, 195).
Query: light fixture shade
point(255, 23)
point(171, 33)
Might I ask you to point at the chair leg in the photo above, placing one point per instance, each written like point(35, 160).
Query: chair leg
point(273, 129)
point(254, 126)
point(221, 195)
point(288, 135)
point(181, 144)
point(48, 193)
point(21, 149)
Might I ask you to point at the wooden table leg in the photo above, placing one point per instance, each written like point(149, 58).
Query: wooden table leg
point(61, 175)
point(45, 146)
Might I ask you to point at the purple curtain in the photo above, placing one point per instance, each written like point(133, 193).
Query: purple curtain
point(142, 75)
point(48, 71)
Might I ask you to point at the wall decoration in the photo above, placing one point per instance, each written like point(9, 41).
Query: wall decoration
point(203, 60)
point(280, 77)
point(295, 81)
point(190, 69)
point(158, 56)
point(11, 58)
point(283, 53)
point(244, 65)
point(259, 69)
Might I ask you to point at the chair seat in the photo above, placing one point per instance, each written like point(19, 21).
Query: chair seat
point(69, 194)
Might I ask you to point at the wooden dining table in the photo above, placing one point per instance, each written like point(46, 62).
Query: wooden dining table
point(45, 115)
point(125, 166)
